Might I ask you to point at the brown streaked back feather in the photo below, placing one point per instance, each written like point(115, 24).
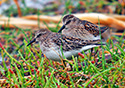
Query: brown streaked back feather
point(71, 43)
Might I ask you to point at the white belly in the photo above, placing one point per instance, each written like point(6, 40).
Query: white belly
point(56, 55)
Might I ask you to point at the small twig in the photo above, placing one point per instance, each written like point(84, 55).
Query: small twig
point(18, 8)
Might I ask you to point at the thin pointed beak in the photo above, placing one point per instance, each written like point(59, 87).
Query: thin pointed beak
point(32, 41)
point(61, 28)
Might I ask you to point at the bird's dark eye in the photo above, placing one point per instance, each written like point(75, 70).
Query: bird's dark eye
point(38, 35)
point(68, 22)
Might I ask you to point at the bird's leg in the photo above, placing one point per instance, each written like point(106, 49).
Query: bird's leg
point(91, 53)
point(64, 64)
point(95, 53)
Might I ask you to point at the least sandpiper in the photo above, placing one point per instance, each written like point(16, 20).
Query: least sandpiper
point(74, 27)
point(51, 43)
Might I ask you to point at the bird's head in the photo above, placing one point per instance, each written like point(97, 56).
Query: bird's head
point(68, 20)
point(40, 35)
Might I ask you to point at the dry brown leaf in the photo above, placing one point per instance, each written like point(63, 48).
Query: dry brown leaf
point(92, 17)
point(111, 21)
point(119, 17)
point(103, 19)
point(22, 23)
point(45, 18)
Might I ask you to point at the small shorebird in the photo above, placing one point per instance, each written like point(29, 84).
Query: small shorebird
point(74, 27)
point(51, 43)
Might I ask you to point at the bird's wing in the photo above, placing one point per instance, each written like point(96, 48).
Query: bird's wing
point(92, 28)
point(71, 43)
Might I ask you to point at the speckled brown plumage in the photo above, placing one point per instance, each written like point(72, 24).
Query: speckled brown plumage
point(73, 26)
point(50, 44)
point(71, 43)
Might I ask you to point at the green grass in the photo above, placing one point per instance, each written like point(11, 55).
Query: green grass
point(28, 67)
point(48, 73)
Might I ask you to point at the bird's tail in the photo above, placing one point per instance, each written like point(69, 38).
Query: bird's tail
point(103, 29)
